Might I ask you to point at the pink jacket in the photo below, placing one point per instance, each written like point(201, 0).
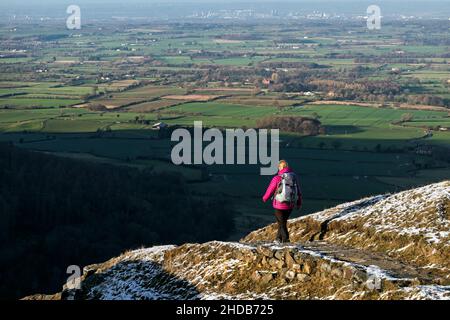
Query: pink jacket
point(273, 187)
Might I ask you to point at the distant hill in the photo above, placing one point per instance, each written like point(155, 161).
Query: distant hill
point(383, 247)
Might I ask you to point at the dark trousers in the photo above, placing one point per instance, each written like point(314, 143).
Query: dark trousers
point(282, 218)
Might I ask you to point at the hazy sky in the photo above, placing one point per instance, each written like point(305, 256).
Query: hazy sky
point(130, 8)
point(15, 2)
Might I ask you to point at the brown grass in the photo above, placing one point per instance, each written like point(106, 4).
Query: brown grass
point(153, 106)
point(192, 97)
point(379, 105)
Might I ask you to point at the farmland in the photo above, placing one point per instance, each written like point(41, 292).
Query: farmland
point(94, 95)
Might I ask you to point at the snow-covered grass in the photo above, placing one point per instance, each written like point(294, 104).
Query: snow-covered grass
point(413, 213)
point(429, 292)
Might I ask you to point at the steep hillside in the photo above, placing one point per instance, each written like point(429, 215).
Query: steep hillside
point(384, 247)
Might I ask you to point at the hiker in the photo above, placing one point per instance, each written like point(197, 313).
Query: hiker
point(285, 191)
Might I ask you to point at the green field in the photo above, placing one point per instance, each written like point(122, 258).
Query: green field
point(38, 102)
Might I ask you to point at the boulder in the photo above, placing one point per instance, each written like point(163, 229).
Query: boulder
point(256, 276)
point(289, 260)
point(325, 267)
point(359, 276)
point(303, 277)
point(296, 267)
point(267, 252)
point(336, 273)
point(290, 275)
point(306, 268)
point(279, 254)
point(298, 257)
point(267, 277)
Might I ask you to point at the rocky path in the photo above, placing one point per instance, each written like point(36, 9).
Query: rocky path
point(383, 264)
point(386, 264)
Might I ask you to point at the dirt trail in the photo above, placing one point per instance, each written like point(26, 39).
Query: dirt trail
point(366, 258)
point(395, 269)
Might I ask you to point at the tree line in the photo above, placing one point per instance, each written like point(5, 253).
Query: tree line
point(302, 125)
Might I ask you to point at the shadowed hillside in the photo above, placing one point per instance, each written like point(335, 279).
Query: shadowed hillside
point(56, 212)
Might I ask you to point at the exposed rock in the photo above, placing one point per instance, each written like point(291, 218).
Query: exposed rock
point(306, 268)
point(290, 262)
point(290, 275)
point(337, 273)
point(256, 276)
point(325, 267)
point(359, 275)
point(303, 277)
point(44, 297)
point(298, 257)
point(348, 274)
point(296, 267)
point(279, 254)
point(267, 277)
point(265, 251)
